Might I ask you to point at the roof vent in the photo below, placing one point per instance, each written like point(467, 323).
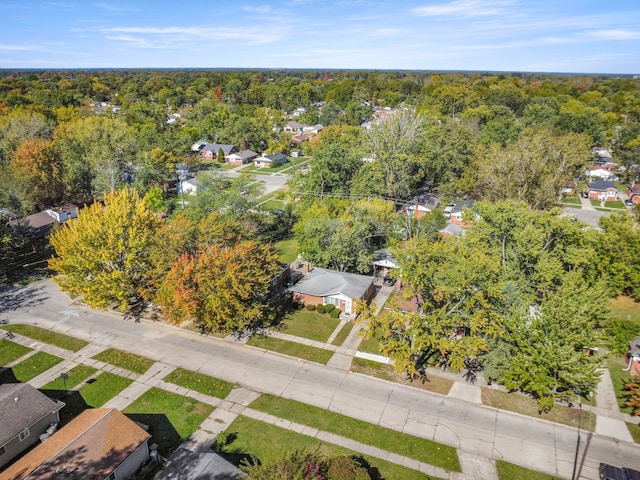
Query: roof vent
point(16, 398)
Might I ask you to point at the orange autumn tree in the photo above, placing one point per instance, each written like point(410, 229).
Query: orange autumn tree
point(223, 288)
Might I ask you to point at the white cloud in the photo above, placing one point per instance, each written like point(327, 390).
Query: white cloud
point(17, 48)
point(258, 9)
point(465, 8)
point(615, 34)
point(203, 33)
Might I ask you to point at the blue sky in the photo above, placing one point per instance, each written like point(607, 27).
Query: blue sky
point(592, 36)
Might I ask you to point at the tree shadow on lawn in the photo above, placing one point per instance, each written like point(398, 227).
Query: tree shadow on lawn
point(161, 429)
point(7, 376)
point(12, 298)
point(74, 404)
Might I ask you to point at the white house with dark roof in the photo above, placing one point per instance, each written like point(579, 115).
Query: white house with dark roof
point(271, 160)
point(322, 287)
point(25, 414)
point(242, 157)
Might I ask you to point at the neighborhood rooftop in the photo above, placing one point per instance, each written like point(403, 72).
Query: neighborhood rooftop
point(322, 283)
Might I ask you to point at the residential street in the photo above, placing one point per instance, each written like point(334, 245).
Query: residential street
point(479, 432)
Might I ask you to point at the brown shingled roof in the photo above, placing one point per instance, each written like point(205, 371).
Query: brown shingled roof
point(90, 446)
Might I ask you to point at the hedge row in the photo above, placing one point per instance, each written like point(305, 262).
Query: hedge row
point(330, 309)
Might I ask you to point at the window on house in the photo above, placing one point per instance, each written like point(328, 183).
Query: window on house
point(24, 434)
point(332, 301)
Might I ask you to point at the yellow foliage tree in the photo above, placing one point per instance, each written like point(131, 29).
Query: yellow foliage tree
point(103, 255)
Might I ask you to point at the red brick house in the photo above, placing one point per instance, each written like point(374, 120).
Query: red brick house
point(602, 190)
point(322, 287)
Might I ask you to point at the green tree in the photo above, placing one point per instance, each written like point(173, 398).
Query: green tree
point(104, 255)
point(455, 288)
point(619, 250)
point(550, 340)
point(534, 169)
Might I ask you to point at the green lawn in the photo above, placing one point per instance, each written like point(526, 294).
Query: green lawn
point(370, 345)
point(528, 406)
point(76, 375)
point(572, 200)
point(99, 390)
point(199, 382)
point(292, 349)
point(619, 378)
point(420, 449)
point(273, 204)
point(343, 334)
point(616, 204)
point(311, 325)
point(47, 336)
point(509, 471)
point(265, 441)
point(292, 162)
point(10, 351)
point(287, 250)
point(128, 361)
point(171, 418)
point(29, 368)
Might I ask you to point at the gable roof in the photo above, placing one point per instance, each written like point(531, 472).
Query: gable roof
point(321, 282)
point(458, 207)
point(214, 147)
point(21, 406)
point(244, 154)
point(601, 185)
point(95, 443)
point(384, 259)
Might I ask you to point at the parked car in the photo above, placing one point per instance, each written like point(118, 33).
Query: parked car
point(609, 472)
point(628, 202)
point(388, 281)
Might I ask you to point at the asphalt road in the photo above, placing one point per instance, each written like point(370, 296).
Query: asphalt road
point(473, 429)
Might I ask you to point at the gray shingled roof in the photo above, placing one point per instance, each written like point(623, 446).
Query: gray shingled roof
point(321, 282)
point(460, 205)
point(601, 185)
point(21, 406)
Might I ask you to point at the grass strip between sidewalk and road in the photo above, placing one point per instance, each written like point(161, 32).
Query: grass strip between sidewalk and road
point(76, 375)
point(292, 349)
point(433, 383)
point(199, 382)
point(267, 442)
point(47, 336)
point(528, 406)
point(129, 361)
point(420, 449)
point(171, 417)
point(10, 351)
point(30, 368)
point(509, 471)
